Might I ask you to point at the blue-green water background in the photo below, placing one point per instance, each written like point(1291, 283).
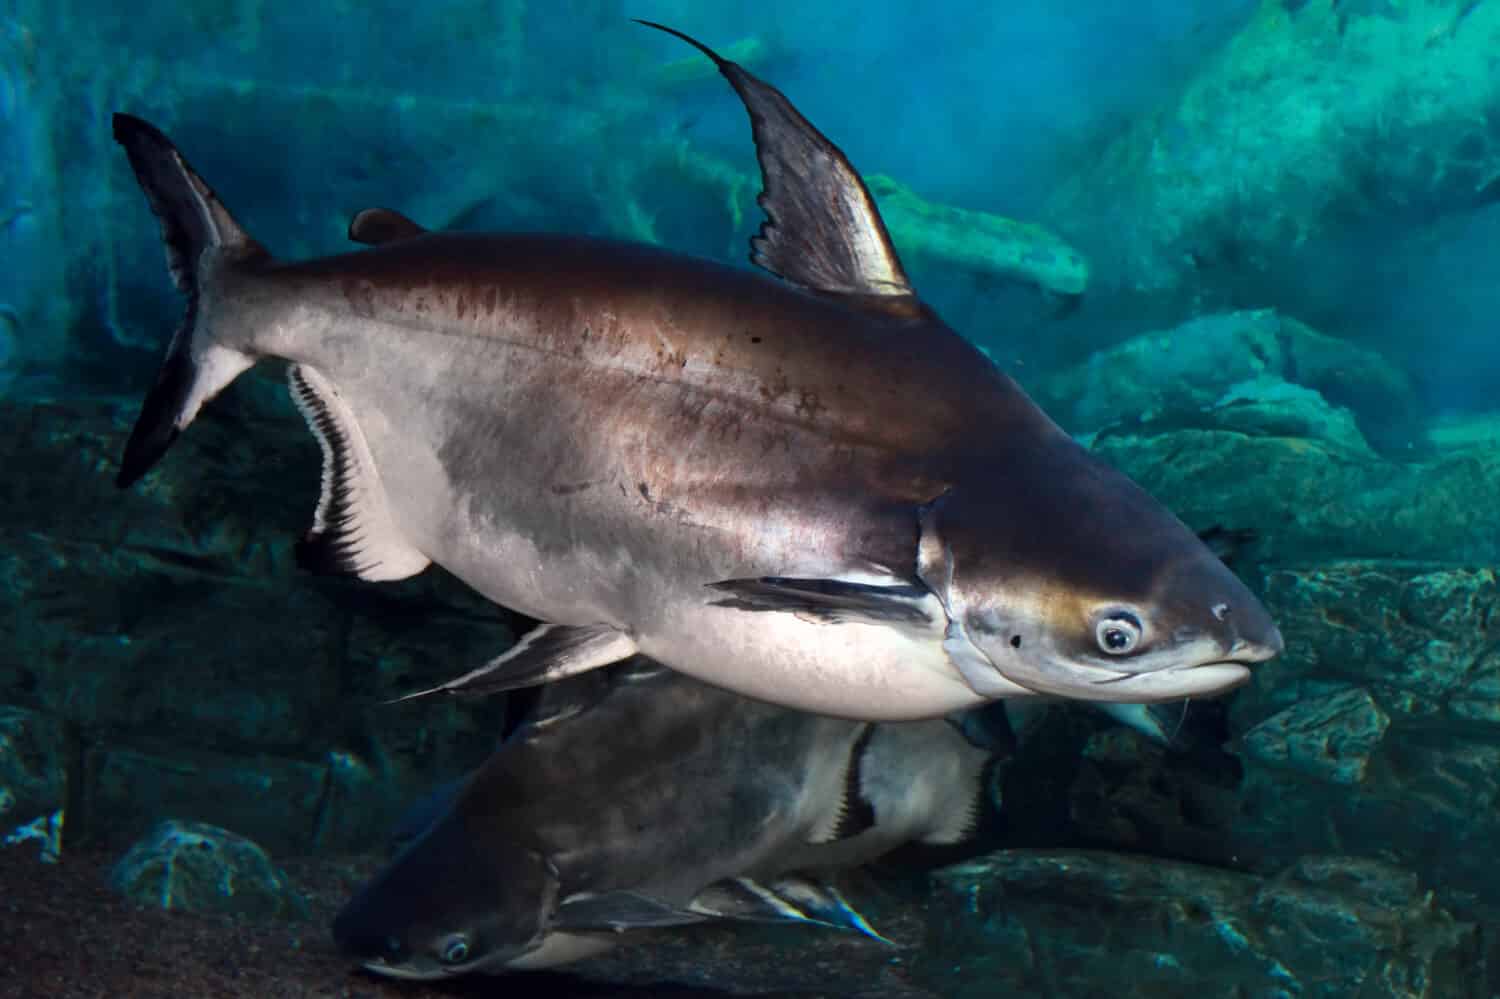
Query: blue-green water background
point(964, 103)
point(1332, 162)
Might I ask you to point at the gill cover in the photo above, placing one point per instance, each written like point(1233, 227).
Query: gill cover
point(935, 570)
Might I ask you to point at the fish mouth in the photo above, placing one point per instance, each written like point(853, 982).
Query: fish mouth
point(1259, 652)
point(407, 972)
point(1092, 682)
point(1176, 682)
point(431, 971)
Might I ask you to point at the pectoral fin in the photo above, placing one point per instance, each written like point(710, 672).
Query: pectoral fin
point(822, 903)
point(621, 910)
point(791, 899)
point(548, 652)
point(830, 601)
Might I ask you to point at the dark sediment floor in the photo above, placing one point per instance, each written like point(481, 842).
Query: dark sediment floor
point(65, 934)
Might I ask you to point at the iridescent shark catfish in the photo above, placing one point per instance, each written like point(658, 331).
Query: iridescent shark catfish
point(724, 809)
point(806, 489)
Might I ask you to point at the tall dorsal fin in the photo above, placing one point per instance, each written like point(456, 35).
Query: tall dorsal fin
point(822, 230)
point(375, 226)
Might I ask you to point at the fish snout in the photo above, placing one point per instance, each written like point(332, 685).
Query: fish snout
point(359, 939)
point(371, 949)
point(1268, 645)
point(1252, 634)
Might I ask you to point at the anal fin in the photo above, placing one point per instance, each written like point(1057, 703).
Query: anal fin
point(956, 815)
point(546, 653)
point(353, 531)
point(619, 911)
point(852, 814)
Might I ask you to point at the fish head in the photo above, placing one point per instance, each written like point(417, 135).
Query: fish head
point(1064, 577)
point(449, 904)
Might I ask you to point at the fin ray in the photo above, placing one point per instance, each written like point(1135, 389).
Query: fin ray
point(200, 238)
point(965, 782)
point(824, 903)
point(822, 230)
point(621, 910)
point(789, 899)
point(830, 601)
point(853, 813)
point(547, 653)
point(353, 531)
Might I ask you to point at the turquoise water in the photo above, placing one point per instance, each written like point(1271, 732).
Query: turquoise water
point(1242, 250)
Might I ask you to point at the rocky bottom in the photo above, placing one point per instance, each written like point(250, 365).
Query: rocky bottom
point(64, 933)
point(1065, 923)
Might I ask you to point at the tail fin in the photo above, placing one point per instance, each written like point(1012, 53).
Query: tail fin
point(201, 239)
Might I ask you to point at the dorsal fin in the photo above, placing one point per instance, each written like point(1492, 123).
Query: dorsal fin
point(822, 230)
point(375, 226)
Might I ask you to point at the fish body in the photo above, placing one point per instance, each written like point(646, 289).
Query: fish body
point(562, 841)
point(807, 489)
point(674, 416)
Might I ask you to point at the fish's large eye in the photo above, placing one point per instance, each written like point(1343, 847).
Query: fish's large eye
point(455, 949)
point(1118, 633)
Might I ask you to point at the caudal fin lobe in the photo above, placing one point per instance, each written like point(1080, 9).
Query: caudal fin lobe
point(202, 239)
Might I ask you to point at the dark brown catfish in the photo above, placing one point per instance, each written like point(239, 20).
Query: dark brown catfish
point(716, 808)
point(805, 488)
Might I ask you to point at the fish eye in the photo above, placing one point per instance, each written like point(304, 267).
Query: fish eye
point(1118, 632)
point(455, 949)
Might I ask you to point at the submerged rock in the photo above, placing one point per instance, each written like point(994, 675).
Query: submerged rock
point(31, 765)
point(1416, 636)
point(44, 830)
point(1134, 794)
point(201, 868)
point(34, 299)
point(1315, 120)
point(979, 242)
point(1268, 405)
point(1311, 501)
point(1255, 372)
point(982, 244)
point(276, 800)
point(1378, 731)
point(1087, 924)
point(1328, 738)
point(139, 619)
